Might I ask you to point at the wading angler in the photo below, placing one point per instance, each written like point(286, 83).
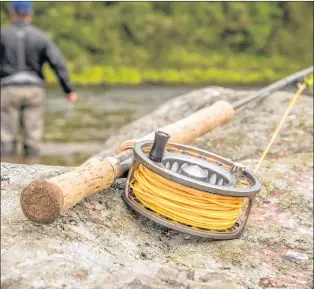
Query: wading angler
point(23, 51)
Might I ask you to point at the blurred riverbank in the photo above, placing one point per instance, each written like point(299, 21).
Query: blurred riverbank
point(202, 43)
point(231, 73)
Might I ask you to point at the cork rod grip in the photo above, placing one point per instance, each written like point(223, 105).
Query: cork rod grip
point(43, 200)
point(186, 130)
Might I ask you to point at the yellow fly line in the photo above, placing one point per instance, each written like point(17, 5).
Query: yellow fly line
point(282, 121)
point(184, 204)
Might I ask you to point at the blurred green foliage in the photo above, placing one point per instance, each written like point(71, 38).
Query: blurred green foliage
point(178, 42)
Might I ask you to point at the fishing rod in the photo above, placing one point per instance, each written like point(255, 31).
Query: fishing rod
point(259, 95)
point(173, 184)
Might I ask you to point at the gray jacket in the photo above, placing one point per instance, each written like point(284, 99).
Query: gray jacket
point(38, 48)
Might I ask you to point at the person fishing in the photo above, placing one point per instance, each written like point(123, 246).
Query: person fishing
point(23, 51)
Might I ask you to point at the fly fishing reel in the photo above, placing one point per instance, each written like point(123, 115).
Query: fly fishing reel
point(190, 190)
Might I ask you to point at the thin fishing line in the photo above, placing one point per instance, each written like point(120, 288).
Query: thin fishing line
point(288, 110)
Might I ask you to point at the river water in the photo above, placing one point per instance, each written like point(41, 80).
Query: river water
point(73, 133)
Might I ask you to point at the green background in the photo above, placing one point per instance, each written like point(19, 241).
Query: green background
point(178, 42)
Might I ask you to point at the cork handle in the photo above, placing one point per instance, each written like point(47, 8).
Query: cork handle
point(43, 200)
point(186, 130)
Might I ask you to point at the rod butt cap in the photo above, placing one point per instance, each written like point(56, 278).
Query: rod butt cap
point(41, 202)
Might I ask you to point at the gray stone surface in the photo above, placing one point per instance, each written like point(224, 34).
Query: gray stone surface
point(101, 243)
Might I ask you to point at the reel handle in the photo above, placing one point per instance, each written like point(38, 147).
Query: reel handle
point(43, 200)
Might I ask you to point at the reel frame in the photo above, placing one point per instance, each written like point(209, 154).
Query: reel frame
point(232, 172)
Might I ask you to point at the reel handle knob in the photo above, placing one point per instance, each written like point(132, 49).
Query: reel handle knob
point(156, 154)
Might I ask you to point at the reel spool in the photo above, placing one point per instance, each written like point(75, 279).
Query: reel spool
point(190, 190)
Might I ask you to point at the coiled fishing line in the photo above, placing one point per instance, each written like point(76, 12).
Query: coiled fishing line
point(190, 190)
point(184, 204)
